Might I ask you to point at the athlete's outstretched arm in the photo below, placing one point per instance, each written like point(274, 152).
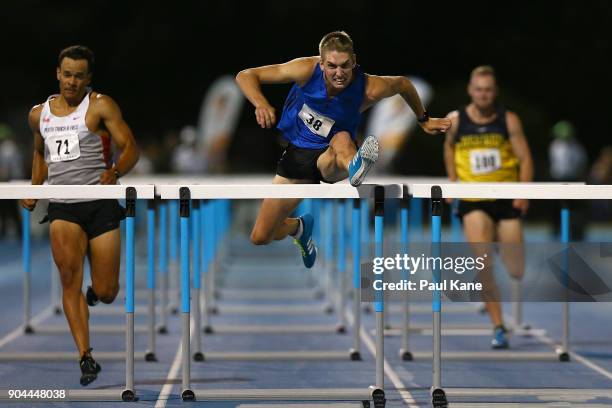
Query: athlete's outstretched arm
point(380, 87)
point(39, 167)
point(122, 136)
point(520, 147)
point(249, 80)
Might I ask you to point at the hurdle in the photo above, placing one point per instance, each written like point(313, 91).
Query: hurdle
point(340, 327)
point(214, 256)
point(30, 329)
point(55, 292)
point(224, 262)
point(411, 220)
point(131, 193)
point(294, 293)
point(185, 194)
point(550, 191)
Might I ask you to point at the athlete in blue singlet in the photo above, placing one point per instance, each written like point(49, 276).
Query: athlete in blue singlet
point(320, 120)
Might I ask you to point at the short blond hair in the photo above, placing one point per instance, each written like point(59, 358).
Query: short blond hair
point(483, 70)
point(338, 41)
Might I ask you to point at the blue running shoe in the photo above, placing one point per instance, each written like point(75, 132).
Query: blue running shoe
point(500, 340)
point(305, 242)
point(363, 160)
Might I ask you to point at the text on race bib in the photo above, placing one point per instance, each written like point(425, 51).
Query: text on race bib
point(483, 161)
point(317, 123)
point(63, 146)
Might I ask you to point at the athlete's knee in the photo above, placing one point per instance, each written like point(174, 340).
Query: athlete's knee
point(342, 137)
point(69, 270)
point(259, 237)
point(343, 141)
point(108, 294)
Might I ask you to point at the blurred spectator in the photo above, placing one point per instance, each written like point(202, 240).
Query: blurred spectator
point(162, 160)
point(601, 173)
point(568, 163)
point(568, 158)
point(11, 168)
point(186, 158)
point(217, 123)
point(391, 121)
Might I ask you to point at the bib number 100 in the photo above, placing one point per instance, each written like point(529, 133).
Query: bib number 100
point(485, 161)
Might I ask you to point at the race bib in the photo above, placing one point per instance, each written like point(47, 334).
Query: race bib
point(318, 124)
point(485, 161)
point(63, 147)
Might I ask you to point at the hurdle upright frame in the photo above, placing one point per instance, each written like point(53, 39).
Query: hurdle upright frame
point(186, 193)
point(544, 191)
point(130, 193)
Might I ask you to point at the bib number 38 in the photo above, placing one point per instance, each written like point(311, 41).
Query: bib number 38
point(317, 123)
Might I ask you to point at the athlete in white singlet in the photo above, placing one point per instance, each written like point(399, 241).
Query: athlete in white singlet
point(72, 135)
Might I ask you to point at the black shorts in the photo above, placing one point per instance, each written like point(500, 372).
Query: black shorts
point(497, 210)
point(95, 217)
point(300, 164)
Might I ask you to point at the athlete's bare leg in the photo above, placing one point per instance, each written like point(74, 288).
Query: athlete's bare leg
point(512, 253)
point(480, 228)
point(104, 258)
point(334, 163)
point(272, 221)
point(69, 247)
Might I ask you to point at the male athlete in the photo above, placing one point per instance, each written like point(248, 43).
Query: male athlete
point(320, 120)
point(486, 143)
point(72, 146)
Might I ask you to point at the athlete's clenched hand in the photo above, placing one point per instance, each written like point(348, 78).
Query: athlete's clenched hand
point(266, 116)
point(436, 125)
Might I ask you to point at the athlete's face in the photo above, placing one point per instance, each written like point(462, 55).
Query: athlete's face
point(337, 68)
point(483, 91)
point(73, 77)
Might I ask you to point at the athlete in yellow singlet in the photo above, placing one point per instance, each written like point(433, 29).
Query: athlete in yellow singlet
point(486, 143)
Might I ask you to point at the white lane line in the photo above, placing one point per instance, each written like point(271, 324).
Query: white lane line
point(389, 371)
point(19, 330)
point(166, 390)
point(591, 365)
point(573, 355)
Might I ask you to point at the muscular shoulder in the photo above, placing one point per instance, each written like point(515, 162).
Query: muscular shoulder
point(102, 104)
point(512, 117)
point(34, 116)
point(454, 115)
point(302, 68)
point(377, 87)
point(513, 121)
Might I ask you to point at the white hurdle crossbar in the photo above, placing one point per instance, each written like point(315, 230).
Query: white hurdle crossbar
point(128, 192)
point(186, 193)
point(537, 191)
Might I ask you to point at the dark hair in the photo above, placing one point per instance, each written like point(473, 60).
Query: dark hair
point(78, 52)
point(336, 41)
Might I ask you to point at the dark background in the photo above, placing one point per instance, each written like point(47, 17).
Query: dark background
point(157, 61)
